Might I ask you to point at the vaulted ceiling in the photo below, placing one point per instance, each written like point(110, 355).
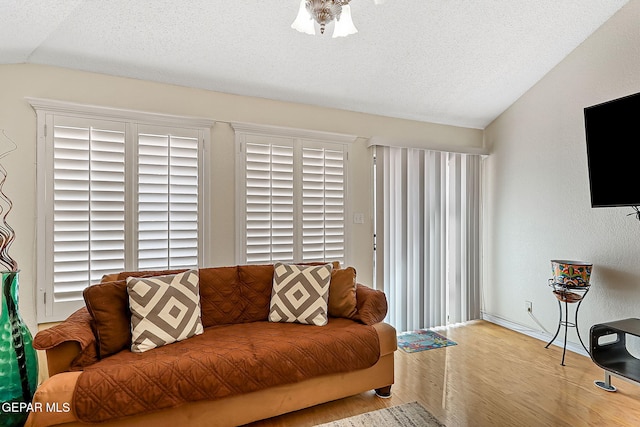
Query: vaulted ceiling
point(459, 62)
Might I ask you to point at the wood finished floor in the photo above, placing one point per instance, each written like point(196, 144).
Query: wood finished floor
point(493, 377)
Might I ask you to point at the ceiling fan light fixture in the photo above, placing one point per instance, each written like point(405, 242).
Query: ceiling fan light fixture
point(344, 24)
point(323, 12)
point(304, 20)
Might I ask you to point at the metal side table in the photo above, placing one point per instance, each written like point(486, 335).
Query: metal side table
point(568, 295)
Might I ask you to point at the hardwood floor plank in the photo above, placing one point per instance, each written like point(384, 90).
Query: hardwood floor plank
point(493, 377)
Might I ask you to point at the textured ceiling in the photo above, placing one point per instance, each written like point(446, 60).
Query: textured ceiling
point(459, 62)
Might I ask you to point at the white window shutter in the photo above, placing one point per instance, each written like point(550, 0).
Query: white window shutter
point(292, 197)
point(323, 204)
point(117, 190)
point(269, 203)
point(167, 200)
point(88, 204)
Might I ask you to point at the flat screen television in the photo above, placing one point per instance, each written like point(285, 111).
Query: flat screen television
point(613, 141)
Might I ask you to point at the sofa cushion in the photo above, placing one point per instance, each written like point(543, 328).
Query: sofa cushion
point(256, 286)
point(227, 360)
point(220, 298)
point(111, 277)
point(342, 293)
point(108, 304)
point(300, 294)
point(164, 309)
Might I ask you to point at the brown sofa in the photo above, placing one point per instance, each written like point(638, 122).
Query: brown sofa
point(241, 369)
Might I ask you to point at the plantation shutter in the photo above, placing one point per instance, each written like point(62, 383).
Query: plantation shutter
point(269, 203)
point(167, 198)
point(88, 209)
point(323, 204)
point(292, 199)
point(117, 190)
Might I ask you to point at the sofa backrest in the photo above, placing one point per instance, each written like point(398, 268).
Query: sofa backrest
point(228, 295)
point(237, 294)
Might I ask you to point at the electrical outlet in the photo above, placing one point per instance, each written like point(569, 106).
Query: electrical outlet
point(528, 306)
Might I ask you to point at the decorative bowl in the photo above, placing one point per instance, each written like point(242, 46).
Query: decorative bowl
point(566, 296)
point(571, 274)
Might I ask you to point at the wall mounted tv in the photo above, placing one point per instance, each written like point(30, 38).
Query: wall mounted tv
point(613, 139)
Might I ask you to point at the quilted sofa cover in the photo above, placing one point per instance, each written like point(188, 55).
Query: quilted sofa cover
point(238, 353)
point(224, 361)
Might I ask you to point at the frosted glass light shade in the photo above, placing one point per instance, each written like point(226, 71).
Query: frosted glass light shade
point(304, 21)
point(344, 26)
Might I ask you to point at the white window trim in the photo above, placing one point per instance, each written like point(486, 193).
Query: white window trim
point(46, 108)
point(296, 136)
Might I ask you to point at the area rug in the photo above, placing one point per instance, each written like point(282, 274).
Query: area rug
point(407, 415)
point(421, 340)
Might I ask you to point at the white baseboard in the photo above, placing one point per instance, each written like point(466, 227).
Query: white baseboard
point(542, 336)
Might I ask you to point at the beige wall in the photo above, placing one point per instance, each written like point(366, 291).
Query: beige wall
point(537, 204)
point(18, 120)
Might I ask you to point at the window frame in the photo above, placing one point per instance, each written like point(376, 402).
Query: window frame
point(46, 309)
point(298, 139)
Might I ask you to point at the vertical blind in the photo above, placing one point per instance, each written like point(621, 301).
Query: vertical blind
point(294, 193)
point(428, 236)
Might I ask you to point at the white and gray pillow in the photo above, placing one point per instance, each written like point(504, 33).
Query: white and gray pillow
point(164, 309)
point(300, 294)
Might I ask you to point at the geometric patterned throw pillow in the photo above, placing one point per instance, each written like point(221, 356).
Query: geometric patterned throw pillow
point(300, 294)
point(164, 309)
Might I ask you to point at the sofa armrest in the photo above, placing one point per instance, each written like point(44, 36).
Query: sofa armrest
point(372, 305)
point(70, 345)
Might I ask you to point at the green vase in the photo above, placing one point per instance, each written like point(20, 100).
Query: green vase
point(18, 358)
